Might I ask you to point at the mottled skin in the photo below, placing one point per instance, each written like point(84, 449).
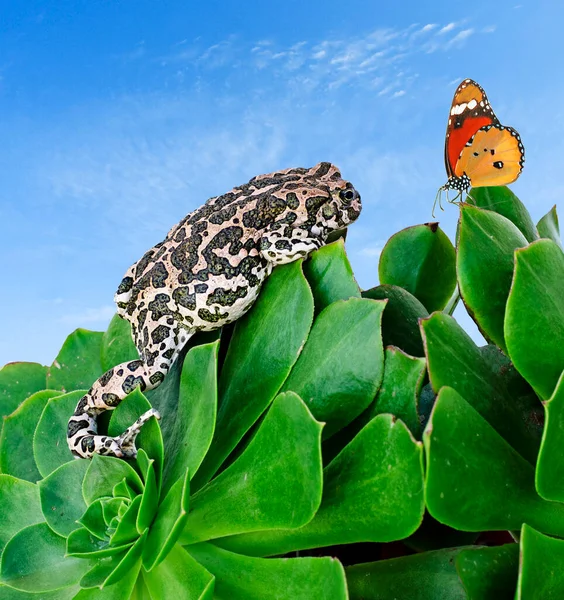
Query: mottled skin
point(207, 272)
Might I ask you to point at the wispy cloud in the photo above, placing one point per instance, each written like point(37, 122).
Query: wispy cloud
point(331, 63)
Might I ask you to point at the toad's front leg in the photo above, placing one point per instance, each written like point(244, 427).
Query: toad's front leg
point(111, 388)
point(106, 393)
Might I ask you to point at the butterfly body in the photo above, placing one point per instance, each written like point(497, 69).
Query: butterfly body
point(479, 151)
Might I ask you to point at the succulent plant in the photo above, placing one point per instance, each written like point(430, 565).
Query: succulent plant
point(333, 443)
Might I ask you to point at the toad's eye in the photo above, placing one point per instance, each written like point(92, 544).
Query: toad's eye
point(346, 195)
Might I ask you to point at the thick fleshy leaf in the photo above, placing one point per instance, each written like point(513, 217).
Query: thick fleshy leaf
point(18, 381)
point(489, 573)
point(117, 344)
point(503, 201)
point(150, 497)
point(82, 544)
point(188, 429)
point(540, 571)
point(341, 366)
point(246, 578)
point(454, 360)
point(421, 260)
point(50, 448)
point(372, 492)
point(150, 438)
point(330, 275)
point(534, 320)
point(470, 467)
point(276, 482)
point(548, 226)
point(34, 560)
point(116, 576)
point(127, 530)
point(400, 322)
point(424, 576)
point(168, 524)
point(67, 593)
point(93, 518)
point(549, 476)
point(20, 506)
point(179, 576)
point(78, 364)
point(400, 389)
point(61, 497)
point(265, 345)
point(122, 490)
point(16, 453)
point(484, 264)
point(102, 475)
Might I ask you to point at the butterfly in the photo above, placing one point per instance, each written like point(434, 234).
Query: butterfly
point(479, 151)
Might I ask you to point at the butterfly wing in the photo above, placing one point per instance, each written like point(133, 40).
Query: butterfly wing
point(470, 111)
point(493, 156)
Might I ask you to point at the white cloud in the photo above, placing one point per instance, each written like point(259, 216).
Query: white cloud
point(459, 38)
point(447, 28)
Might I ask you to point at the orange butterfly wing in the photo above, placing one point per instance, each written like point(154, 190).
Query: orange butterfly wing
point(470, 111)
point(493, 156)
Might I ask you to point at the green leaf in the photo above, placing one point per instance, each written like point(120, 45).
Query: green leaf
point(330, 275)
point(486, 245)
point(276, 482)
point(150, 438)
point(18, 381)
point(169, 523)
point(420, 259)
point(454, 360)
point(61, 497)
point(112, 508)
point(93, 518)
point(341, 366)
point(82, 544)
point(503, 201)
point(34, 560)
point(116, 576)
point(102, 475)
point(400, 321)
point(265, 345)
point(246, 578)
point(424, 576)
point(489, 573)
point(122, 490)
point(372, 492)
point(117, 344)
point(16, 453)
point(77, 365)
point(179, 576)
point(548, 226)
point(540, 567)
point(127, 530)
point(470, 467)
point(50, 448)
point(534, 320)
point(549, 476)
point(68, 593)
point(401, 386)
point(149, 499)
point(188, 428)
point(20, 505)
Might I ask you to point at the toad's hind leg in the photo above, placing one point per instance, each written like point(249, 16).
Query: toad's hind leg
point(114, 385)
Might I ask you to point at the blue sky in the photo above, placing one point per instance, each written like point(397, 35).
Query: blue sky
point(118, 118)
